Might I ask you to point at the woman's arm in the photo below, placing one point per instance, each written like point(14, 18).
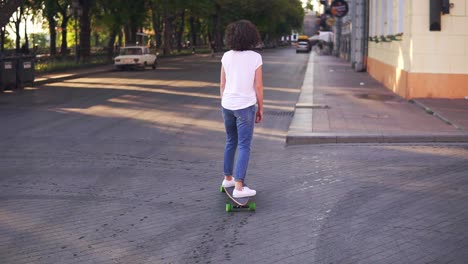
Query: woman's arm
point(222, 82)
point(259, 91)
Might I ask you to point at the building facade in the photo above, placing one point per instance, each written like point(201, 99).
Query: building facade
point(351, 34)
point(409, 57)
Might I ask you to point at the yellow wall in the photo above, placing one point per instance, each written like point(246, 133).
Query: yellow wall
point(425, 63)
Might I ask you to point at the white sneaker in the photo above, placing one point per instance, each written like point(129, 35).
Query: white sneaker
point(246, 192)
point(228, 184)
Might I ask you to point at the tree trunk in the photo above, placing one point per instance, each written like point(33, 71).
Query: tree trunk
point(53, 35)
point(63, 26)
point(156, 20)
point(218, 30)
point(96, 39)
point(130, 34)
point(127, 34)
point(110, 45)
point(17, 22)
point(167, 35)
point(26, 39)
point(181, 31)
point(199, 30)
point(9, 7)
point(18, 37)
point(2, 37)
point(120, 39)
point(210, 42)
point(133, 32)
point(85, 31)
point(193, 31)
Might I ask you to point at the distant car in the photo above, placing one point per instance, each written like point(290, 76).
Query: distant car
point(135, 57)
point(302, 46)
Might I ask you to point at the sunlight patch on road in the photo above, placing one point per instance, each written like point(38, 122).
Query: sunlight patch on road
point(165, 120)
point(130, 81)
point(285, 90)
point(203, 107)
point(270, 134)
point(277, 107)
point(30, 88)
point(137, 88)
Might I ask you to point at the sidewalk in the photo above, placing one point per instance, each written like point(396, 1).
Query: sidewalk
point(339, 105)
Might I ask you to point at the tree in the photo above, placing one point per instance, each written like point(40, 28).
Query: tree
point(173, 21)
point(133, 15)
point(111, 20)
point(156, 21)
point(168, 18)
point(63, 7)
point(16, 20)
point(7, 8)
point(85, 29)
point(51, 14)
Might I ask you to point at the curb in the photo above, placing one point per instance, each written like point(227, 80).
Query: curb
point(301, 138)
point(64, 76)
point(300, 131)
point(61, 76)
point(434, 113)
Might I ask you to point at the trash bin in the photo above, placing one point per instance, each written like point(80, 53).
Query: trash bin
point(24, 71)
point(7, 73)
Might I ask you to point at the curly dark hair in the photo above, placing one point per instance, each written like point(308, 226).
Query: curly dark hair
point(242, 35)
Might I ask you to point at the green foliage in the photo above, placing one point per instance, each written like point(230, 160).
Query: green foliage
point(171, 22)
point(39, 39)
point(54, 65)
point(273, 18)
point(9, 43)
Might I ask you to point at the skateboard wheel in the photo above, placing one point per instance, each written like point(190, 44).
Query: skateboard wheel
point(252, 206)
point(228, 207)
point(221, 189)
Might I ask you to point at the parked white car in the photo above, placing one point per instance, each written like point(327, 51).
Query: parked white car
point(135, 57)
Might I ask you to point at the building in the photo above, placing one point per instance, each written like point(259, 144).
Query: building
point(410, 56)
point(412, 47)
point(351, 34)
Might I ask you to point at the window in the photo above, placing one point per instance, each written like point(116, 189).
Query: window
point(389, 19)
point(401, 16)
point(386, 18)
point(374, 14)
point(371, 18)
point(383, 17)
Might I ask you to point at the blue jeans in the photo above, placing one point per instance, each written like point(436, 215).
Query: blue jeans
point(239, 126)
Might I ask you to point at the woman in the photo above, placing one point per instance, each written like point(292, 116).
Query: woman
point(241, 87)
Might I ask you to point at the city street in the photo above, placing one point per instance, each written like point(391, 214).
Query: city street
point(125, 167)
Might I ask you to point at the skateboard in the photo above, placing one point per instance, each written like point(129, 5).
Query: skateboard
point(239, 203)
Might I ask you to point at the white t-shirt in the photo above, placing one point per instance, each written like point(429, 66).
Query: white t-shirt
point(240, 67)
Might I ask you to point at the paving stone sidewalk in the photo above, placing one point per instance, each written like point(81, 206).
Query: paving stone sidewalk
point(339, 105)
point(451, 111)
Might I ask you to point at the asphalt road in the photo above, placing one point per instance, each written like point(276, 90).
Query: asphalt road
point(125, 167)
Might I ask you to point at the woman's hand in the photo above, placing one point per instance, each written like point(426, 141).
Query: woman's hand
point(259, 116)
